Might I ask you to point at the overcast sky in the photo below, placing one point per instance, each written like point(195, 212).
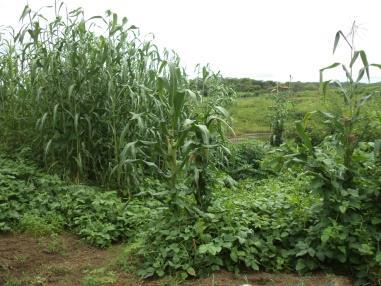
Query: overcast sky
point(266, 40)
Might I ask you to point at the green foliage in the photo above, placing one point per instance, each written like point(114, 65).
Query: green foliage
point(345, 119)
point(41, 204)
point(99, 277)
point(189, 140)
point(247, 85)
point(251, 114)
point(100, 217)
point(54, 245)
point(37, 225)
point(245, 160)
point(16, 192)
point(279, 113)
point(346, 236)
point(346, 175)
point(111, 109)
point(99, 106)
point(254, 227)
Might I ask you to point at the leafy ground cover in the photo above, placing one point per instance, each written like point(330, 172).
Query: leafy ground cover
point(254, 227)
point(241, 227)
point(65, 260)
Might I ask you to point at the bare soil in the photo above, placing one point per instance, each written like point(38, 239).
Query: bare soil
point(65, 260)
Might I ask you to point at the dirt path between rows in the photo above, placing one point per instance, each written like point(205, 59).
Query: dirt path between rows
point(64, 260)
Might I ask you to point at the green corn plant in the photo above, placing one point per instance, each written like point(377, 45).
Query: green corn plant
point(189, 137)
point(345, 175)
point(377, 145)
point(332, 162)
point(345, 121)
point(279, 113)
point(92, 99)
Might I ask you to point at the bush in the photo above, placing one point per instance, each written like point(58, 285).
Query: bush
point(245, 160)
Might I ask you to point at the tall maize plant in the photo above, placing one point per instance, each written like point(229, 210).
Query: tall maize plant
point(95, 101)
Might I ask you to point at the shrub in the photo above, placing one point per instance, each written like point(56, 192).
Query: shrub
point(245, 160)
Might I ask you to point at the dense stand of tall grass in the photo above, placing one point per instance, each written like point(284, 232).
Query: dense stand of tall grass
point(95, 101)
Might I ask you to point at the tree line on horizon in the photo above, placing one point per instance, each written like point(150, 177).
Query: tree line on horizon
point(257, 87)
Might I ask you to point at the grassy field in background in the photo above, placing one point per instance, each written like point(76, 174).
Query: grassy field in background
point(251, 114)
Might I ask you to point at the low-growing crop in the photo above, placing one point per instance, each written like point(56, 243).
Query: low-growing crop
point(254, 227)
point(99, 217)
point(39, 225)
point(41, 204)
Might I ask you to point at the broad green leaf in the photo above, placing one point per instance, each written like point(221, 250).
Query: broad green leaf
point(209, 248)
point(191, 94)
point(365, 63)
point(360, 75)
point(343, 209)
point(378, 258)
point(300, 265)
point(191, 271)
point(334, 65)
point(188, 122)
point(223, 111)
point(354, 58)
point(70, 90)
point(204, 133)
point(330, 67)
point(337, 38)
point(347, 73)
point(303, 135)
point(377, 148)
point(25, 12)
point(376, 65)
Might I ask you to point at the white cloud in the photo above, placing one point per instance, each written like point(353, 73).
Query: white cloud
point(243, 38)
